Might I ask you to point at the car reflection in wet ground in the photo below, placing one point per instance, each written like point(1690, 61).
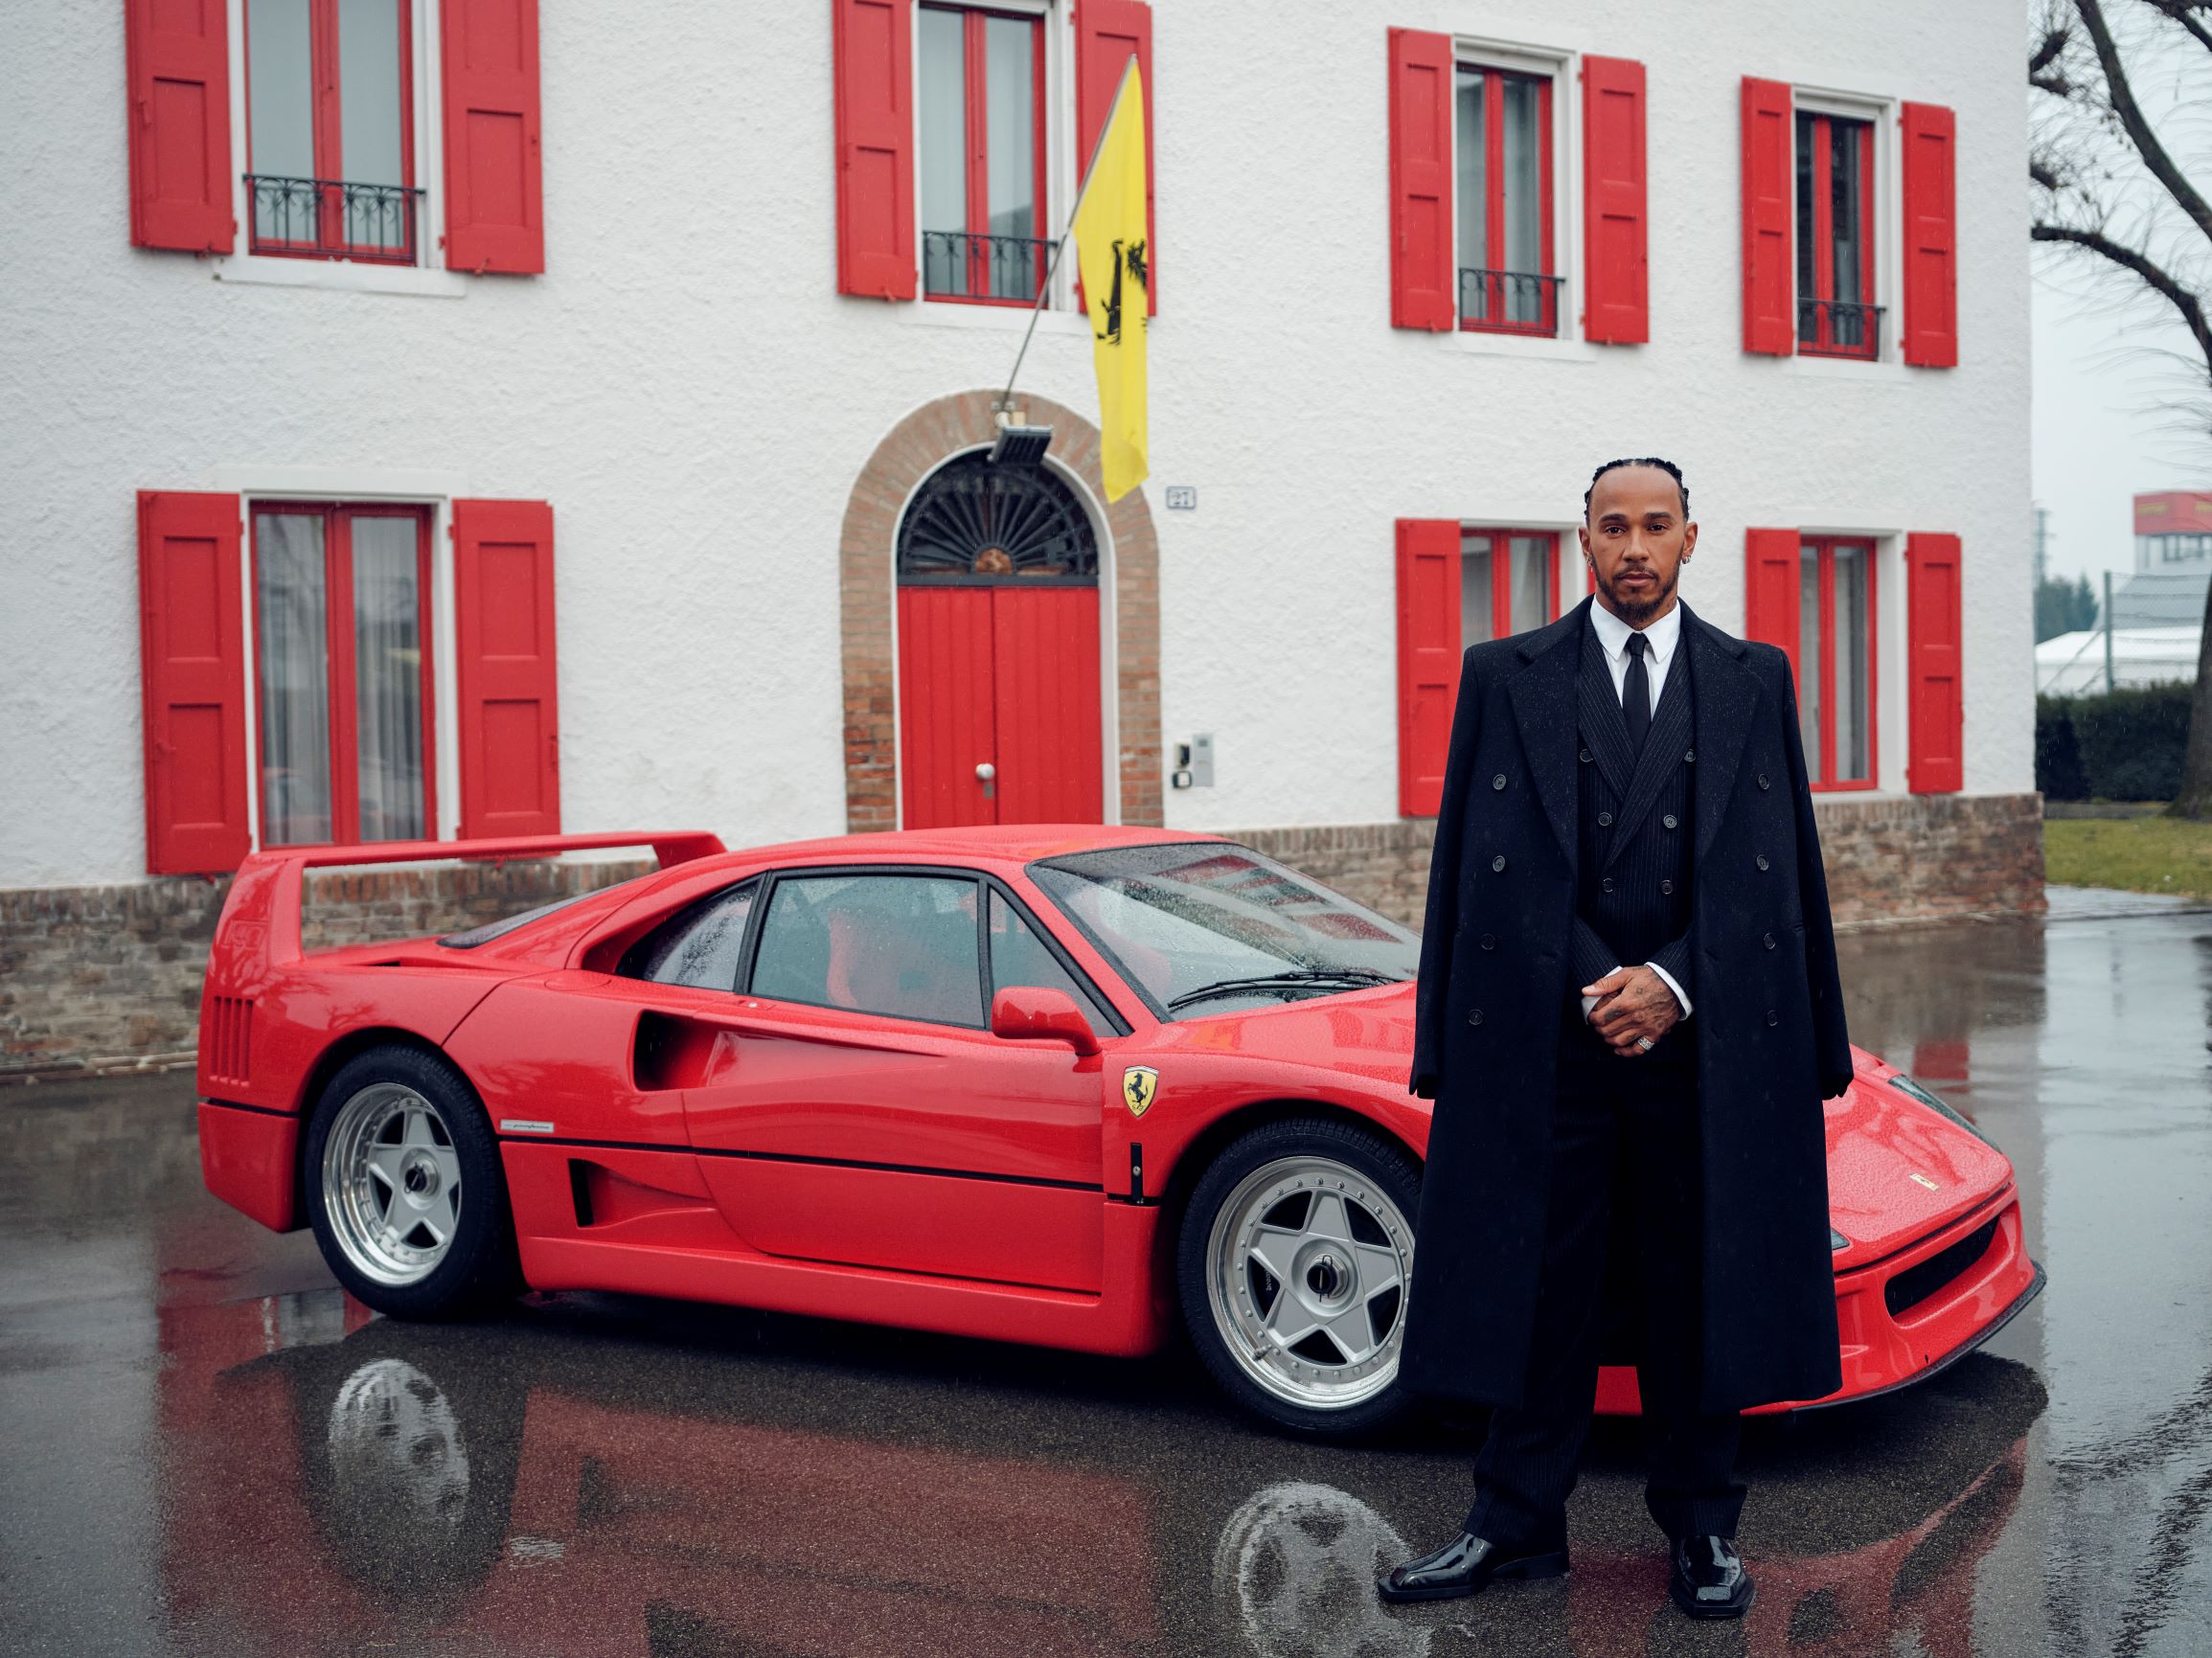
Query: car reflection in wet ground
point(211, 1451)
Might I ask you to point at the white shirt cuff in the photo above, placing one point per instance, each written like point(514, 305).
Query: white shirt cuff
point(1670, 985)
point(1590, 1002)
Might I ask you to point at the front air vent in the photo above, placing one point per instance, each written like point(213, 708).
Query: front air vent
point(227, 1043)
point(1917, 1283)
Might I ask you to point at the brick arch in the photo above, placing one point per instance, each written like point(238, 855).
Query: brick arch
point(915, 447)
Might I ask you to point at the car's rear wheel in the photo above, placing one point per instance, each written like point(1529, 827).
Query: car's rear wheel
point(404, 1187)
point(1294, 1263)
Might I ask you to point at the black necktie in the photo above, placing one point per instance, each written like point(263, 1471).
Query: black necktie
point(1637, 695)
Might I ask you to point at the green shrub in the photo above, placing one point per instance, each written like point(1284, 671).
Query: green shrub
point(2123, 744)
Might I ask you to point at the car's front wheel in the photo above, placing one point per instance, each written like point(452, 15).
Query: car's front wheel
point(1294, 1263)
point(404, 1187)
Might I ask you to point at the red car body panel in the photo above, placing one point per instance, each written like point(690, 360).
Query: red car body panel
point(707, 1146)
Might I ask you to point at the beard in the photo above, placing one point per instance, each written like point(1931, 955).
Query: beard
point(1634, 611)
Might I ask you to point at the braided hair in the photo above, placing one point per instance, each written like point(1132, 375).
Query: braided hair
point(1666, 466)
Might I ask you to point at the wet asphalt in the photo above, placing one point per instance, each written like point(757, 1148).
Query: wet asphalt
point(206, 1449)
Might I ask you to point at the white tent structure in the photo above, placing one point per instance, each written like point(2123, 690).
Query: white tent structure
point(2075, 663)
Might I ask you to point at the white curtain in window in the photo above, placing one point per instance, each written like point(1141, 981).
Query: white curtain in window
point(295, 678)
point(1476, 623)
point(1531, 581)
point(388, 677)
point(942, 76)
point(1809, 659)
point(1851, 659)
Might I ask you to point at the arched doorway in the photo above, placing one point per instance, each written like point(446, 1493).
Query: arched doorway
point(999, 649)
point(1125, 585)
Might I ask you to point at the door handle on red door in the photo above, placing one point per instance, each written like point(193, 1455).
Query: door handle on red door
point(985, 771)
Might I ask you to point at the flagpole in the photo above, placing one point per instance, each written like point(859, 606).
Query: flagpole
point(1044, 291)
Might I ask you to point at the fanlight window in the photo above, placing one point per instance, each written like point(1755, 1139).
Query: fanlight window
point(980, 521)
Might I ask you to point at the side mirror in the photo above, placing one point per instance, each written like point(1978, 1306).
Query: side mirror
point(1034, 1012)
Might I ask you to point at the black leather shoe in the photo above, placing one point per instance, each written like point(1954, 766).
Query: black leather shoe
point(1468, 1562)
point(1709, 1579)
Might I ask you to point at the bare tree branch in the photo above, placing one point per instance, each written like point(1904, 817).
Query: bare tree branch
point(2040, 70)
point(2138, 128)
point(2187, 14)
point(2191, 307)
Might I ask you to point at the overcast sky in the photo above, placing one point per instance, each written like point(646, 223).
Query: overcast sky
point(2107, 401)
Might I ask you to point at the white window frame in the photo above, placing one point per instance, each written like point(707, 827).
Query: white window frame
point(345, 486)
point(277, 270)
point(1884, 213)
point(1061, 175)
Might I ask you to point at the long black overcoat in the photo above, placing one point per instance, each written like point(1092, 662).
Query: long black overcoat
point(1764, 990)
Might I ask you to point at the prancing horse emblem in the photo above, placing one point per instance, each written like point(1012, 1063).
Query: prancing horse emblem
point(1140, 1086)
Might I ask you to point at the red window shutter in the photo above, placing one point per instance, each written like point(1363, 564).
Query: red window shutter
point(1617, 307)
point(495, 200)
point(506, 692)
point(1428, 647)
point(1930, 236)
point(1768, 278)
point(1421, 255)
point(1106, 32)
point(1770, 590)
point(1936, 756)
point(180, 125)
point(874, 44)
point(192, 661)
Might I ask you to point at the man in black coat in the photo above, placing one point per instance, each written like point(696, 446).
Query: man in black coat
point(1627, 1015)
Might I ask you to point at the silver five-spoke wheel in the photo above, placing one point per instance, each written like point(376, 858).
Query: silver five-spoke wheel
point(392, 1183)
point(1308, 1265)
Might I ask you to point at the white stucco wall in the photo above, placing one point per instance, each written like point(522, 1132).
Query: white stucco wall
point(688, 390)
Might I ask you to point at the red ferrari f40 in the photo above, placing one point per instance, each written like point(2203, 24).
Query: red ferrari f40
point(1065, 1084)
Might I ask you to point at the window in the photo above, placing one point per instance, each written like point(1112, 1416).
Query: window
point(329, 129)
point(1504, 155)
point(902, 945)
point(1836, 317)
point(341, 613)
point(1509, 580)
point(1835, 661)
point(1019, 956)
point(702, 945)
point(1197, 927)
point(981, 103)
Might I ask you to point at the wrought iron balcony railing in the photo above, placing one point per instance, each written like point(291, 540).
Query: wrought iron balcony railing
point(1838, 328)
point(329, 219)
point(1008, 270)
point(1509, 302)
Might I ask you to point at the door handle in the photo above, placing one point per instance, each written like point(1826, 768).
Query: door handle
point(985, 771)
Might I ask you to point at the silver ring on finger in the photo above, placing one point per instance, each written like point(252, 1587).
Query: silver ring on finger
point(1645, 1043)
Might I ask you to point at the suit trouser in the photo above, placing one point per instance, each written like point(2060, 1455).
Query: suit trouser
point(1625, 1149)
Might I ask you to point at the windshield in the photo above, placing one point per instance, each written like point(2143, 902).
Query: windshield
point(1199, 927)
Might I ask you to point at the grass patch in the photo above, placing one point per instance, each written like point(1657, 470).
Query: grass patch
point(2143, 855)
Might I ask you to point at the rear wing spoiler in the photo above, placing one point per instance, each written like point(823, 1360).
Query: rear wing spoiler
point(260, 916)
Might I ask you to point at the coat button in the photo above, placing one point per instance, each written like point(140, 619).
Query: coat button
point(1767, 938)
point(1690, 755)
point(1761, 780)
point(1762, 860)
point(1772, 1018)
point(1498, 862)
point(1490, 943)
point(1604, 819)
point(1497, 782)
point(1666, 886)
point(1474, 1016)
point(1586, 757)
point(1669, 820)
point(1606, 885)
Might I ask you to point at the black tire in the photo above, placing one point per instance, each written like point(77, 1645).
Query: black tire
point(476, 1267)
point(1375, 1175)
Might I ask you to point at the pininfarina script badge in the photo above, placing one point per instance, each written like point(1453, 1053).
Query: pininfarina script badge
point(1140, 1086)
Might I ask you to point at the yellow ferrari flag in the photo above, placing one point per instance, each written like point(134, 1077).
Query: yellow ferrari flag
point(1109, 240)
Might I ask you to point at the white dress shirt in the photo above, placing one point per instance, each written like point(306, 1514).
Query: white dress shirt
point(1661, 637)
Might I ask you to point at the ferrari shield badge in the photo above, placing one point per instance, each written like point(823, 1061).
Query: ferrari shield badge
point(1140, 1086)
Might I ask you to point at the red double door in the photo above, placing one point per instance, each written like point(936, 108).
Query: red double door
point(999, 698)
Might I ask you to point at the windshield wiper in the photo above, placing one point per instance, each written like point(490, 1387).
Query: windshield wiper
point(1297, 977)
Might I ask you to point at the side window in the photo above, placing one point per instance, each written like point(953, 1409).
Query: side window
point(902, 945)
point(700, 945)
point(1020, 957)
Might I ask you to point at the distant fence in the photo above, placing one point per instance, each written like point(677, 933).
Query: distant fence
point(2147, 632)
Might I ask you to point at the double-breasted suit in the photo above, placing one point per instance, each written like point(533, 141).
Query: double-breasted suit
point(1504, 949)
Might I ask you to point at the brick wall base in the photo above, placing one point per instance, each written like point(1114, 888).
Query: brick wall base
point(103, 979)
point(1916, 857)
